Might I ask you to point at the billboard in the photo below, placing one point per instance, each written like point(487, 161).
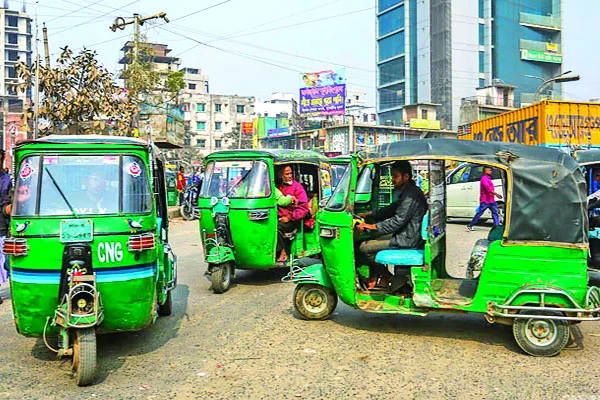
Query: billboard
point(534, 55)
point(248, 128)
point(327, 100)
point(323, 93)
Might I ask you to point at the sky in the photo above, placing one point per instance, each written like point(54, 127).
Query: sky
point(257, 47)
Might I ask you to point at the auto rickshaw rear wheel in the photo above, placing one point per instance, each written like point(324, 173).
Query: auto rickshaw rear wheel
point(541, 337)
point(166, 309)
point(84, 356)
point(221, 277)
point(314, 302)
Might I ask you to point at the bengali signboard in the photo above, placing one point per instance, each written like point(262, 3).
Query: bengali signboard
point(327, 100)
point(425, 123)
point(278, 132)
point(248, 128)
point(535, 55)
point(323, 78)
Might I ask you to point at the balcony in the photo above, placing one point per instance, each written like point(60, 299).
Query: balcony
point(540, 46)
point(532, 50)
point(489, 101)
point(549, 23)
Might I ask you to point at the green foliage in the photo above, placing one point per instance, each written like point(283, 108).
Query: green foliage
point(233, 139)
point(78, 95)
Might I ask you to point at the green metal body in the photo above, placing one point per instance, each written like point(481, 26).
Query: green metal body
point(130, 284)
point(509, 268)
point(172, 195)
point(254, 242)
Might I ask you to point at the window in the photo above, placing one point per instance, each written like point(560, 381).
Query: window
point(423, 114)
point(391, 96)
point(481, 10)
point(200, 125)
point(218, 143)
point(391, 71)
point(391, 118)
point(249, 179)
point(12, 55)
point(461, 176)
point(391, 21)
point(481, 61)
point(238, 126)
point(192, 86)
point(481, 82)
point(391, 46)
point(337, 201)
point(481, 34)
point(12, 38)
point(200, 143)
point(11, 72)
point(12, 21)
point(240, 109)
point(200, 107)
point(218, 107)
point(385, 4)
point(218, 125)
point(83, 185)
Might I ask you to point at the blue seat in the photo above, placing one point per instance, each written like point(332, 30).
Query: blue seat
point(405, 256)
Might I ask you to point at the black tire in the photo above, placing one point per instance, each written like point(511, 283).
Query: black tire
point(166, 309)
point(84, 356)
point(314, 302)
point(221, 278)
point(541, 337)
point(187, 212)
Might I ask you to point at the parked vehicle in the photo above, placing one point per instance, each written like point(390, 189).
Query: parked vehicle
point(338, 167)
point(532, 270)
point(589, 160)
point(463, 191)
point(89, 249)
point(238, 209)
point(189, 209)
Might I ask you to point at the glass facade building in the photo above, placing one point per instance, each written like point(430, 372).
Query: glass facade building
point(440, 51)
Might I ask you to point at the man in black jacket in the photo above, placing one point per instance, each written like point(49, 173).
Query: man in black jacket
point(400, 222)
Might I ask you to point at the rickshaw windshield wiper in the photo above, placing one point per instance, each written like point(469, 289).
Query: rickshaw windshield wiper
point(61, 192)
point(239, 184)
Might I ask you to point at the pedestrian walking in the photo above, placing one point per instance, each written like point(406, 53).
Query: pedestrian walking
point(487, 199)
point(5, 192)
point(181, 184)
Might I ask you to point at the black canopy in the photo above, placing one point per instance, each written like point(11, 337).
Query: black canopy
point(548, 189)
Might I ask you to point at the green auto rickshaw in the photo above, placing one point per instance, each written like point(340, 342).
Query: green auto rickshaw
point(339, 165)
point(238, 209)
point(530, 272)
point(88, 249)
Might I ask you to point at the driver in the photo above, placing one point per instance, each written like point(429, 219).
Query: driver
point(289, 216)
point(96, 194)
point(400, 222)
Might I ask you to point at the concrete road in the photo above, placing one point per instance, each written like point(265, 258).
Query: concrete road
point(249, 344)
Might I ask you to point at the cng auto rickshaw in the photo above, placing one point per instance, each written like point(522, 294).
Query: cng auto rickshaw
point(532, 271)
point(238, 209)
point(88, 249)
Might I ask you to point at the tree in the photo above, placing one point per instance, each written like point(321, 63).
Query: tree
point(78, 95)
point(233, 139)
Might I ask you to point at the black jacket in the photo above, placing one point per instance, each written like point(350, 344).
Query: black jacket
point(403, 218)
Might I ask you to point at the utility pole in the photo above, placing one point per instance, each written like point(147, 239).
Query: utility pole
point(137, 21)
point(37, 81)
point(46, 51)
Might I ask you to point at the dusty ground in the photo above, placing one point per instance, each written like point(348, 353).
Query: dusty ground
point(248, 344)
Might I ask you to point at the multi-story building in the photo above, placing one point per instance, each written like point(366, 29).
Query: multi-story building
point(211, 117)
point(440, 51)
point(16, 47)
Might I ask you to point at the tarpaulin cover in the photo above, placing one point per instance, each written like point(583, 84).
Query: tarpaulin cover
point(548, 189)
point(587, 157)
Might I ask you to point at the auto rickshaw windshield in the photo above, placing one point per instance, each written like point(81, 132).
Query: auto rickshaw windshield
point(236, 179)
point(337, 201)
point(82, 185)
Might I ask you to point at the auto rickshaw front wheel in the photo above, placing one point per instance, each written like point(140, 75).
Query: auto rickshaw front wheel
point(314, 302)
point(541, 337)
point(221, 277)
point(84, 356)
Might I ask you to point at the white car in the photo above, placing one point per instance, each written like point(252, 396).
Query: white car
point(462, 191)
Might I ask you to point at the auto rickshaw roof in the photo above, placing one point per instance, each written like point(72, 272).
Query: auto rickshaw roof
point(279, 156)
point(546, 188)
point(340, 160)
point(86, 139)
point(587, 157)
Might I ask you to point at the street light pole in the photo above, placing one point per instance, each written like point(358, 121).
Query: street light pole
point(556, 79)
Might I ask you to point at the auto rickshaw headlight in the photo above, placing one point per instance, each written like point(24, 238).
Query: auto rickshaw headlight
point(328, 232)
point(225, 201)
point(82, 301)
point(213, 201)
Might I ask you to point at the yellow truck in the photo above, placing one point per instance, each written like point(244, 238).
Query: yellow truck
point(550, 123)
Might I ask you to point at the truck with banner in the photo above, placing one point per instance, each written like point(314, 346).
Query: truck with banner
point(560, 124)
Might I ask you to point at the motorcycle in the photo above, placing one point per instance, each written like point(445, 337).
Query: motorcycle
point(189, 209)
